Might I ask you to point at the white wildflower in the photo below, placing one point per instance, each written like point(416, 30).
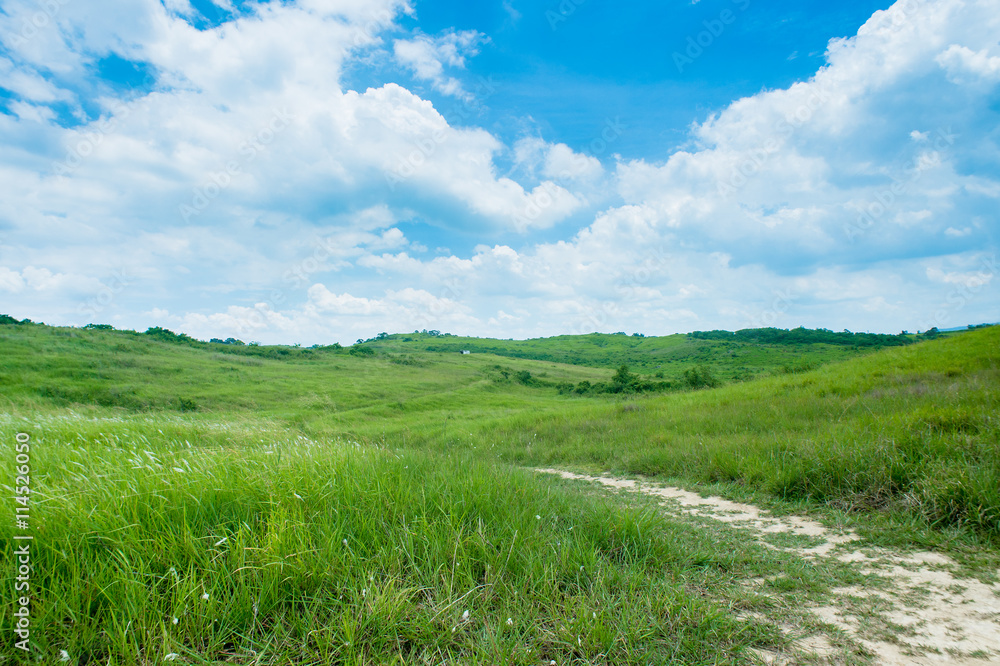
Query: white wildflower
point(63, 655)
point(205, 596)
point(510, 622)
point(465, 616)
point(170, 657)
point(175, 620)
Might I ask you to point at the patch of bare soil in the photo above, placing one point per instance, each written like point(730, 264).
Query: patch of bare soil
point(926, 616)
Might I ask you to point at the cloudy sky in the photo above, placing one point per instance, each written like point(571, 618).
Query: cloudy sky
point(312, 171)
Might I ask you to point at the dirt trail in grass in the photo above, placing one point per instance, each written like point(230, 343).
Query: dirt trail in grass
point(925, 615)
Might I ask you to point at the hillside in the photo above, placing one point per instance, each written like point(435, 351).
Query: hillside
point(222, 503)
point(162, 370)
point(730, 356)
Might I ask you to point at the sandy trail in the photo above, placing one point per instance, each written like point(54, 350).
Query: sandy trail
point(935, 617)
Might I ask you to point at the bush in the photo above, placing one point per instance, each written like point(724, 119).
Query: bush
point(166, 335)
point(361, 350)
point(700, 377)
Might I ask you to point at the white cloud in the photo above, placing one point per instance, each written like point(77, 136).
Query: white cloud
point(428, 56)
point(323, 300)
point(806, 168)
point(10, 281)
point(966, 279)
point(963, 64)
point(37, 279)
point(245, 114)
point(822, 204)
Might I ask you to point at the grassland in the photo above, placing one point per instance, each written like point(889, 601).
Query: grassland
point(736, 359)
point(223, 504)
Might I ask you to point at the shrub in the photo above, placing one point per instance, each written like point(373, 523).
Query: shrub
point(361, 350)
point(700, 377)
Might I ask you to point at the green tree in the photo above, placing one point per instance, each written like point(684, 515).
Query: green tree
point(700, 377)
point(624, 381)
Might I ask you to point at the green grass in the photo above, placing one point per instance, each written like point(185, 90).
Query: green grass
point(165, 471)
point(669, 356)
point(914, 429)
point(240, 542)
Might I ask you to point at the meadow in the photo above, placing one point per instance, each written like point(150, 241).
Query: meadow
point(218, 503)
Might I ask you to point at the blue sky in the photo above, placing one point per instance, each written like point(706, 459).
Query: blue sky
point(320, 170)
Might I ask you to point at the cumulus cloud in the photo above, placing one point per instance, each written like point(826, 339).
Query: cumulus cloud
point(963, 64)
point(245, 126)
point(427, 57)
point(817, 169)
point(248, 179)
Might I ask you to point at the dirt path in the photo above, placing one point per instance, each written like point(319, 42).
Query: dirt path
point(926, 617)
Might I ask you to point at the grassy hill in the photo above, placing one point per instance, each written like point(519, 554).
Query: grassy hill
point(732, 357)
point(274, 505)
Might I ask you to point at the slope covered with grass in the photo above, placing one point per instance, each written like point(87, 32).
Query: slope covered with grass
point(279, 505)
point(915, 429)
point(158, 538)
point(731, 357)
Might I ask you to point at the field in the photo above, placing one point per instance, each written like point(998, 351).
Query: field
point(211, 503)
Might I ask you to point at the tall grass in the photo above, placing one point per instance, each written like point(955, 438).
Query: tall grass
point(253, 546)
point(915, 429)
point(338, 509)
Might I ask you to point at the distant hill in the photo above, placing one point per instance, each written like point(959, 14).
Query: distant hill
point(732, 356)
point(99, 365)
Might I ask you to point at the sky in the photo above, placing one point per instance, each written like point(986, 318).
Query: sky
point(319, 171)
